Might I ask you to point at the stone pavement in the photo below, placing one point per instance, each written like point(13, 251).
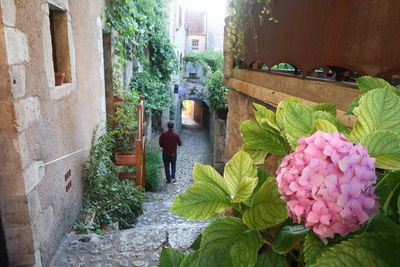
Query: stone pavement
point(157, 227)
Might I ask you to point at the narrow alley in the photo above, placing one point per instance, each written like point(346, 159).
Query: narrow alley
point(157, 227)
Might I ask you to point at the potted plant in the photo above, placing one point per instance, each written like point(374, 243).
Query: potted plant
point(59, 78)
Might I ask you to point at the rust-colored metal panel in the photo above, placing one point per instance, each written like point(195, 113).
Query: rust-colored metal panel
point(360, 35)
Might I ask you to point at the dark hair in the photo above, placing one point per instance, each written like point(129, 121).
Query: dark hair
point(170, 125)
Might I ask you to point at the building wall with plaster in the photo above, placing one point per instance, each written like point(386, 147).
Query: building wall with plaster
point(41, 122)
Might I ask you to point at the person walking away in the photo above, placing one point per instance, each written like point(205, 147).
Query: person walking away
point(169, 140)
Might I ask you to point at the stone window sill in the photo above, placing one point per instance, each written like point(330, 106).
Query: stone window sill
point(61, 91)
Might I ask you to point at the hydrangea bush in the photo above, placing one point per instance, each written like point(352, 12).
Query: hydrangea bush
point(335, 200)
point(327, 184)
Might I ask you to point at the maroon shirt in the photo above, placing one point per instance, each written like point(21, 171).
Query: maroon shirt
point(168, 141)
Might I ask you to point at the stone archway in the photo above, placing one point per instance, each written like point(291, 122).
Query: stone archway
point(201, 114)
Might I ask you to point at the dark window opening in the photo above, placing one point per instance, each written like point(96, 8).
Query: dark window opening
point(60, 43)
point(192, 75)
point(195, 43)
point(3, 248)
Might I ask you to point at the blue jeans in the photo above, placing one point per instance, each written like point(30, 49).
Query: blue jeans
point(169, 172)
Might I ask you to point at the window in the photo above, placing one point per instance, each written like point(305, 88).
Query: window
point(60, 43)
point(192, 75)
point(195, 43)
point(180, 16)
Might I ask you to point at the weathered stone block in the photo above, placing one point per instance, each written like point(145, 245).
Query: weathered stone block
point(24, 150)
point(33, 175)
point(33, 200)
point(15, 211)
point(27, 111)
point(220, 143)
point(62, 91)
point(220, 127)
point(61, 4)
point(7, 118)
point(8, 11)
point(17, 79)
point(17, 46)
point(19, 243)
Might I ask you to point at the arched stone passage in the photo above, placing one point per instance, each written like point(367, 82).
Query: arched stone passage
point(201, 111)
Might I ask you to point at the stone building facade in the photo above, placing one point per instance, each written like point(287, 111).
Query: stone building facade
point(46, 130)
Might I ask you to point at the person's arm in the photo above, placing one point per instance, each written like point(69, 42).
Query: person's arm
point(179, 140)
point(160, 141)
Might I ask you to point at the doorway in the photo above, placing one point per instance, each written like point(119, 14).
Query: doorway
point(3, 248)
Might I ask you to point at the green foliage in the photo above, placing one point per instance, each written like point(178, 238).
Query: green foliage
point(210, 60)
point(282, 66)
point(375, 249)
point(122, 126)
point(156, 93)
point(153, 166)
point(217, 91)
point(228, 242)
point(287, 236)
point(378, 109)
point(260, 233)
point(170, 258)
point(106, 199)
point(271, 259)
point(243, 19)
point(140, 26)
point(212, 63)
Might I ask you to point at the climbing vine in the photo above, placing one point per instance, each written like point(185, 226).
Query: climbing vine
point(140, 35)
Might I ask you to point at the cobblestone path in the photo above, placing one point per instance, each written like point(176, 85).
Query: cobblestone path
point(157, 227)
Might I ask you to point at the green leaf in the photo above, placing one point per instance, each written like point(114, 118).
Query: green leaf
point(384, 146)
point(207, 174)
point(367, 83)
point(298, 121)
point(268, 209)
point(398, 205)
point(313, 248)
point(170, 257)
point(239, 167)
point(322, 115)
point(327, 107)
point(262, 177)
point(227, 239)
point(370, 249)
point(245, 189)
point(260, 138)
point(202, 201)
point(323, 126)
point(387, 190)
point(196, 243)
point(354, 104)
point(265, 117)
point(256, 155)
point(271, 259)
point(287, 236)
point(381, 224)
point(379, 109)
point(191, 260)
point(280, 111)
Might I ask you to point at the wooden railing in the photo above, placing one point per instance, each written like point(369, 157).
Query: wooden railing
point(135, 158)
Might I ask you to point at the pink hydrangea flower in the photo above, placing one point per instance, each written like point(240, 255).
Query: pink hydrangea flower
point(327, 183)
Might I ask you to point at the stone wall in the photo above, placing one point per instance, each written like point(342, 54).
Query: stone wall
point(41, 123)
point(241, 109)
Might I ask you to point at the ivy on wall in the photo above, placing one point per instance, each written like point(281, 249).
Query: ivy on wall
point(140, 26)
